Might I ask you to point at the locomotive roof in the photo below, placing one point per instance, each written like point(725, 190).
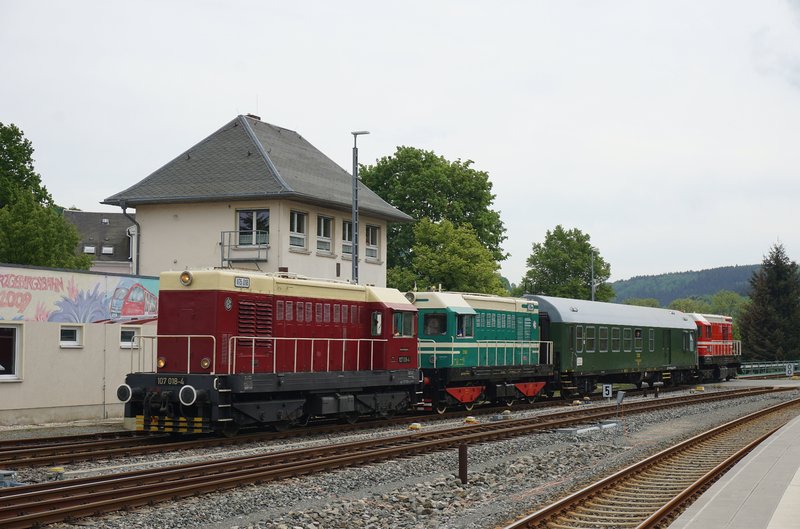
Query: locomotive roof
point(565, 310)
point(451, 301)
point(262, 283)
point(249, 159)
point(712, 318)
point(491, 302)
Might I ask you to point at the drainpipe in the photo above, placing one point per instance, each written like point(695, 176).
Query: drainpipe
point(124, 207)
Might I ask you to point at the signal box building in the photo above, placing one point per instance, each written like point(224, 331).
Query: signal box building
point(254, 195)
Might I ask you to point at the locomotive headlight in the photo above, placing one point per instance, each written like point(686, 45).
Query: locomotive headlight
point(187, 395)
point(186, 278)
point(205, 363)
point(124, 392)
point(161, 362)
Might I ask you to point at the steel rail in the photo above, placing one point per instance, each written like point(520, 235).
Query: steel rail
point(547, 515)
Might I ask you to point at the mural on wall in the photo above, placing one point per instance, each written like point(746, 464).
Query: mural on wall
point(33, 294)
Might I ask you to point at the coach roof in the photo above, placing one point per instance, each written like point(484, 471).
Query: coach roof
point(248, 159)
point(564, 310)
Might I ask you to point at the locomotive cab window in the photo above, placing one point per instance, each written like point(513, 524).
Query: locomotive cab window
point(403, 324)
point(377, 323)
point(434, 324)
point(465, 325)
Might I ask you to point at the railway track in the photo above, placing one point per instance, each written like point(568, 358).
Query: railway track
point(73, 449)
point(70, 499)
point(651, 493)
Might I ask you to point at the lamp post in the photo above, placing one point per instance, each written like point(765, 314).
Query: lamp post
point(354, 226)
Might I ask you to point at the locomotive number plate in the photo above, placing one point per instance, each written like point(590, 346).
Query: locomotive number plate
point(241, 282)
point(170, 381)
point(404, 359)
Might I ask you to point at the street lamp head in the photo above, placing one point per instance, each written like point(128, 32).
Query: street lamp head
point(359, 132)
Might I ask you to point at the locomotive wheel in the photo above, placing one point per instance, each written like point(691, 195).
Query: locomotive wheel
point(510, 402)
point(351, 417)
point(441, 408)
point(280, 426)
point(469, 406)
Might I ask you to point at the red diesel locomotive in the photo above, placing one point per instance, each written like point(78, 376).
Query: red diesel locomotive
point(238, 349)
point(719, 355)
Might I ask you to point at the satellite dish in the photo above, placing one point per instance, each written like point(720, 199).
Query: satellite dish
point(411, 297)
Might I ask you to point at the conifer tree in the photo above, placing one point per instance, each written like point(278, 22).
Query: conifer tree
point(769, 326)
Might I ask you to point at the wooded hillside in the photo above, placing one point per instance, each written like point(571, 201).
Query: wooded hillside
point(668, 287)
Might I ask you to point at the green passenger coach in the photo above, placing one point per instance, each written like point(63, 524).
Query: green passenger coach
point(476, 347)
point(596, 342)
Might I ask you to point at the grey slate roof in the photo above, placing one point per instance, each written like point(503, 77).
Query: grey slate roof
point(564, 310)
point(102, 229)
point(248, 159)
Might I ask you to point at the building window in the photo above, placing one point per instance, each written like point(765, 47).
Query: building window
point(373, 240)
point(107, 250)
point(129, 337)
point(297, 229)
point(89, 249)
point(10, 361)
point(71, 336)
point(347, 238)
point(253, 227)
point(324, 234)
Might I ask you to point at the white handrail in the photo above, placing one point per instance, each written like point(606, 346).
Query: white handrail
point(154, 339)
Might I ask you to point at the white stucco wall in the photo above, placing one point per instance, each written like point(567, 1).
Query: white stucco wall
point(59, 384)
point(187, 236)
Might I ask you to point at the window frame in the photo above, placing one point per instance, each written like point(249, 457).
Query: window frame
point(14, 374)
point(326, 241)
point(602, 339)
point(590, 335)
point(298, 234)
point(77, 342)
point(638, 340)
point(135, 341)
point(579, 338)
point(256, 239)
point(651, 337)
point(372, 235)
point(347, 238)
point(616, 340)
point(627, 340)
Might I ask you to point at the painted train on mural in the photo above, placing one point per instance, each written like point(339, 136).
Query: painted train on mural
point(241, 349)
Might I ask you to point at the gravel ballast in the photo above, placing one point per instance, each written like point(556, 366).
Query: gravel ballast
point(506, 479)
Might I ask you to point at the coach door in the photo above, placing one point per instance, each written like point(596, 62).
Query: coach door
point(666, 346)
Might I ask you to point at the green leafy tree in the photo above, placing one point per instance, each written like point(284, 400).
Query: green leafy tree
point(728, 303)
point(426, 185)
point(33, 230)
point(691, 304)
point(562, 266)
point(769, 324)
point(643, 302)
point(451, 257)
point(16, 167)
point(35, 235)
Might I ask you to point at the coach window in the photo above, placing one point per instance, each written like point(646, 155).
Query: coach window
point(578, 338)
point(651, 340)
point(10, 353)
point(615, 342)
point(298, 229)
point(637, 340)
point(626, 340)
point(403, 324)
point(253, 227)
point(434, 324)
point(465, 325)
point(603, 339)
point(377, 323)
point(590, 334)
point(71, 336)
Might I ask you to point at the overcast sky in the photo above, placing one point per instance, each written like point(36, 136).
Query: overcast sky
point(669, 131)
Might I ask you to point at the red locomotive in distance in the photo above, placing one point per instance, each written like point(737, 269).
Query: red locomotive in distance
point(719, 355)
